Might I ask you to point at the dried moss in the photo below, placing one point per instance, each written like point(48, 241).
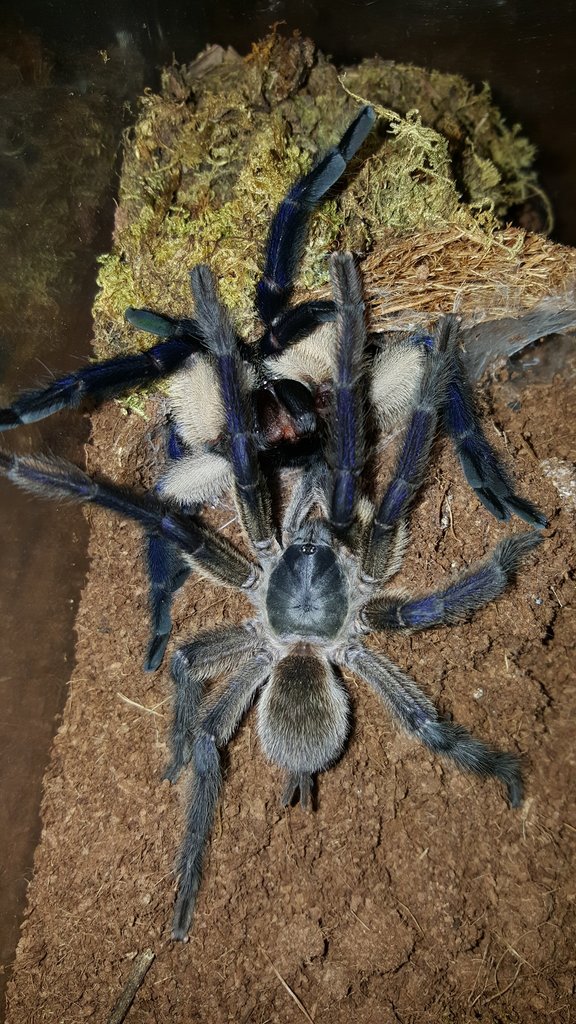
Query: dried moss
point(213, 153)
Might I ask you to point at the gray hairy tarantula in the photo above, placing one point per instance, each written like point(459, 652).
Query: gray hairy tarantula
point(319, 582)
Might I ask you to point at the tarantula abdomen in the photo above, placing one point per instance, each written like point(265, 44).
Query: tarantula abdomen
point(303, 714)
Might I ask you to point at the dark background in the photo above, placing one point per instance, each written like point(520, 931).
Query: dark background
point(523, 48)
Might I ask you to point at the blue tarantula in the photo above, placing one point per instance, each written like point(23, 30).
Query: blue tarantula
point(307, 394)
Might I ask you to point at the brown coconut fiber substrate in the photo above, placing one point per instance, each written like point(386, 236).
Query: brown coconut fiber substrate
point(412, 893)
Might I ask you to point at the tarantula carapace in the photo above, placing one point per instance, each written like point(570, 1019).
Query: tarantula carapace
point(319, 580)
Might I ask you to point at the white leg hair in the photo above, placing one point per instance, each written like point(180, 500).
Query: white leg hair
point(196, 402)
point(309, 361)
point(395, 381)
point(197, 478)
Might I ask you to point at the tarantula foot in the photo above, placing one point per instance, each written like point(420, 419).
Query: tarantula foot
point(503, 505)
point(183, 913)
point(155, 653)
point(172, 771)
point(492, 487)
point(527, 511)
point(301, 783)
point(515, 787)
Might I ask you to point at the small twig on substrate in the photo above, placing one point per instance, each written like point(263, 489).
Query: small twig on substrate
point(140, 968)
point(289, 990)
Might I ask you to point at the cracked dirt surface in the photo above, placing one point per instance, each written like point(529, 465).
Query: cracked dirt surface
point(412, 894)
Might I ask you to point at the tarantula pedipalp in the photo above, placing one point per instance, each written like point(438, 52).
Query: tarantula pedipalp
point(316, 590)
point(290, 375)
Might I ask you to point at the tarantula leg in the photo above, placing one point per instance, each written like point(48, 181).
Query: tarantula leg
point(482, 467)
point(395, 378)
point(297, 322)
point(347, 456)
point(416, 713)
point(55, 478)
point(103, 380)
point(167, 571)
point(214, 652)
point(251, 490)
point(471, 590)
point(163, 326)
point(380, 557)
point(214, 730)
point(288, 229)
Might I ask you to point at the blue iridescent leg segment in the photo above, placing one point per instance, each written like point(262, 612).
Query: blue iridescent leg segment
point(414, 454)
point(471, 590)
point(347, 455)
point(482, 467)
point(100, 381)
point(214, 730)
point(241, 429)
point(289, 226)
point(212, 653)
point(167, 571)
point(54, 478)
point(417, 715)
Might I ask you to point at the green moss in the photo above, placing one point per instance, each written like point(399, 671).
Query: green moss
point(208, 161)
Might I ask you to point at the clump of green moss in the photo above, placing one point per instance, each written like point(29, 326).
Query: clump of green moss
point(213, 153)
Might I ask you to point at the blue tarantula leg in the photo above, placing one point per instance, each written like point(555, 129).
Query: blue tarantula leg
point(482, 467)
point(102, 380)
point(183, 327)
point(347, 455)
point(471, 590)
point(212, 653)
point(50, 477)
point(289, 225)
point(251, 490)
point(381, 557)
point(214, 730)
point(417, 714)
point(297, 322)
point(167, 571)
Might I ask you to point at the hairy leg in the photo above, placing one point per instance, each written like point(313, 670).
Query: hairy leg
point(472, 589)
point(418, 716)
point(380, 560)
point(167, 571)
point(102, 380)
point(346, 456)
point(214, 730)
point(288, 234)
point(55, 478)
point(251, 490)
point(482, 467)
point(213, 653)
